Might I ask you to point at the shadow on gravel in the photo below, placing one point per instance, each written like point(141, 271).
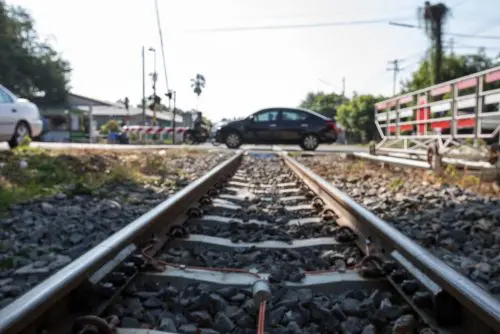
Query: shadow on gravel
point(56, 206)
point(459, 226)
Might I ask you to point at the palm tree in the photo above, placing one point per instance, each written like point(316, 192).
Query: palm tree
point(198, 83)
point(434, 17)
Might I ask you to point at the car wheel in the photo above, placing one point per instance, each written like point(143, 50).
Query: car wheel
point(233, 140)
point(22, 131)
point(310, 142)
point(189, 138)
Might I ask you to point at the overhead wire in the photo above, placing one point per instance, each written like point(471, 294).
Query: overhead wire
point(407, 25)
point(314, 14)
point(460, 46)
point(297, 26)
point(161, 43)
point(458, 3)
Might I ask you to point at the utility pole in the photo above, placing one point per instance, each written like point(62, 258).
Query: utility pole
point(343, 86)
point(154, 76)
point(395, 69)
point(173, 118)
point(154, 98)
point(126, 102)
point(171, 94)
point(143, 87)
point(91, 125)
point(452, 46)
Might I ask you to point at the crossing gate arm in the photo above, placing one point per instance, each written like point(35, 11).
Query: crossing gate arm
point(450, 114)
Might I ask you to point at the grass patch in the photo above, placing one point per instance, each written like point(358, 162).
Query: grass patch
point(396, 184)
point(31, 173)
point(27, 173)
point(358, 166)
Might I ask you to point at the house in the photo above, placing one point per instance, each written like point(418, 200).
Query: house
point(71, 119)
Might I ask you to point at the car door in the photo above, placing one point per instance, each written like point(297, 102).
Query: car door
point(262, 126)
point(8, 114)
point(292, 126)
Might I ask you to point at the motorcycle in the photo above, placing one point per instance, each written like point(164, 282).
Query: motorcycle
point(194, 136)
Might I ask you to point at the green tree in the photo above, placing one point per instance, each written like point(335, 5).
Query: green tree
point(198, 84)
point(29, 67)
point(434, 18)
point(323, 103)
point(358, 116)
point(453, 66)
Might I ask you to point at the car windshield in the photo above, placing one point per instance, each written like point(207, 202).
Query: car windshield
point(14, 96)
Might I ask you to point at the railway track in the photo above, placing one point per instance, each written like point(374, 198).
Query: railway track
point(259, 243)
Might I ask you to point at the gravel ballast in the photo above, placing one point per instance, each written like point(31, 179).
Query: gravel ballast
point(201, 308)
point(41, 236)
point(459, 226)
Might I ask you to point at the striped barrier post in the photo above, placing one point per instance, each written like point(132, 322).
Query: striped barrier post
point(146, 134)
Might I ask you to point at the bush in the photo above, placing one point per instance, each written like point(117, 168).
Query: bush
point(110, 126)
point(26, 141)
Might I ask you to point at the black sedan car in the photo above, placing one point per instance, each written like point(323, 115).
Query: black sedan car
point(279, 126)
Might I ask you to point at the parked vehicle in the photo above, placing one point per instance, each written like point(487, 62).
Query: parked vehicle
point(213, 132)
point(280, 126)
point(19, 118)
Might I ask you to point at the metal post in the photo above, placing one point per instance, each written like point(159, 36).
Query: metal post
point(395, 71)
point(154, 99)
point(387, 110)
point(398, 132)
point(173, 118)
point(68, 120)
point(479, 108)
point(454, 108)
point(143, 87)
point(91, 124)
point(395, 77)
point(154, 77)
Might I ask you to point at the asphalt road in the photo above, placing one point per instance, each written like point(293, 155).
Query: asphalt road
point(321, 148)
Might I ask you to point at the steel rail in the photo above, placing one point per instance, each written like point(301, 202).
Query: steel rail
point(21, 313)
point(483, 305)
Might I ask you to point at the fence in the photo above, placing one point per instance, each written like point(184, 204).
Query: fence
point(153, 134)
point(464, 108)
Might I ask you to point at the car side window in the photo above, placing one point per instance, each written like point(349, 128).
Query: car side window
point(290, 115)
point(4, 97)
point(266, 116)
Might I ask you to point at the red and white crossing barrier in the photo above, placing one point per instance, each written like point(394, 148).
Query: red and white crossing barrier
point(143, 132)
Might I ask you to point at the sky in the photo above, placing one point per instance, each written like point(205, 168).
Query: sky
point(251, 69)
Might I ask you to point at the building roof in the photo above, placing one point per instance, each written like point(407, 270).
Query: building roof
point(106, 108)
point(76, 100)
point(122, 112)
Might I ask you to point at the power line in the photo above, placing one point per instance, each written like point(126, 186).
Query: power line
point(406, 25)
point(295, 26)
point(473, 36)
point(459, 3)
point(460, 46)
point(161, 44)
point(328, 83)
point(487, 27)
point(303, 15)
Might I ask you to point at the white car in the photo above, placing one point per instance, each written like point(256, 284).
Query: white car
point(19, 118)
